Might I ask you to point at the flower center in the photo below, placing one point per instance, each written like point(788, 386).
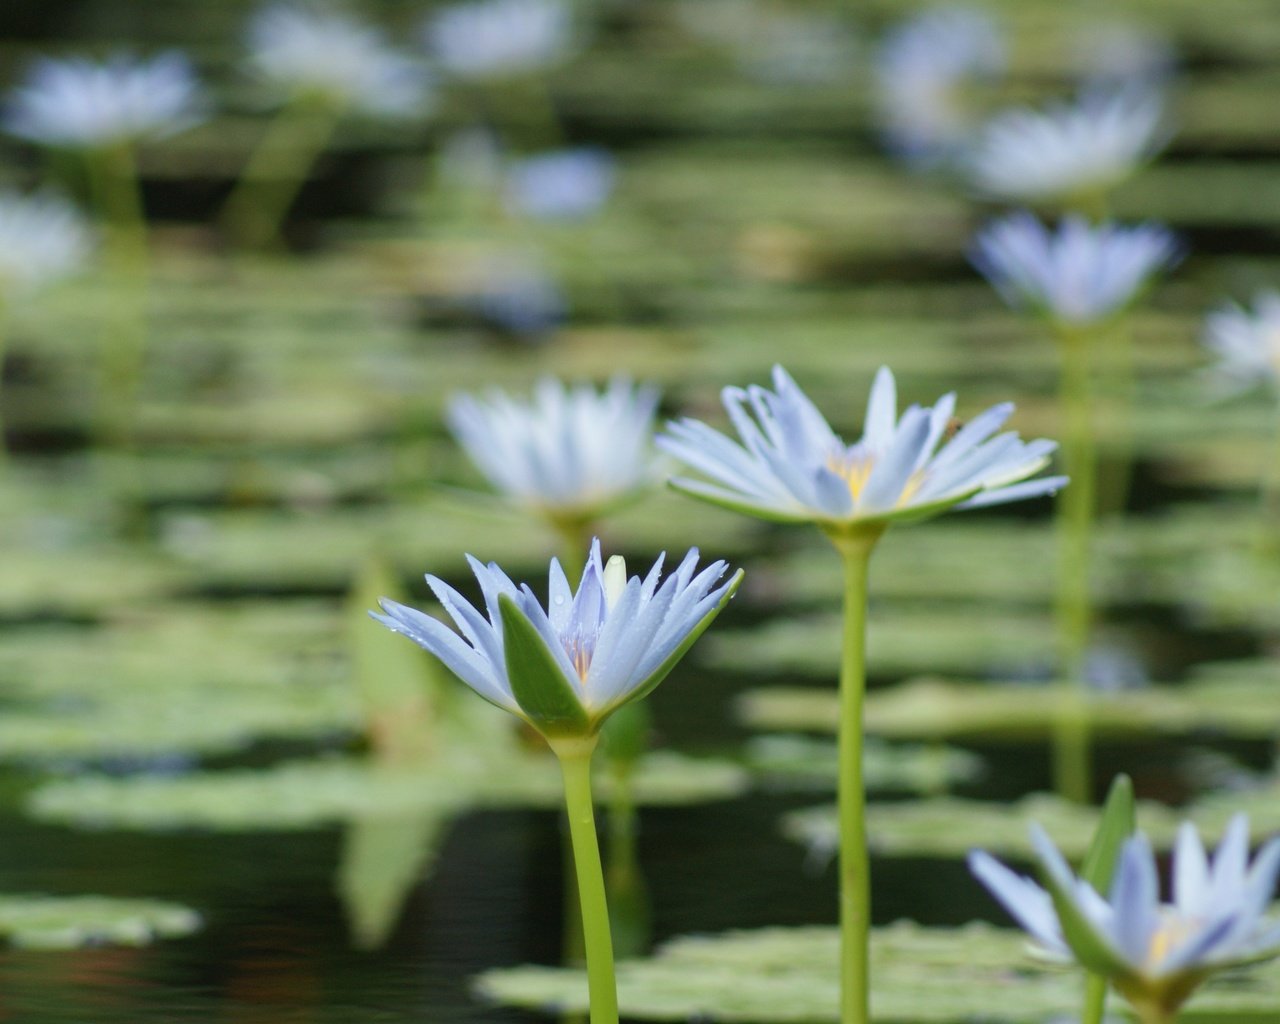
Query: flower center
point(1171, 930)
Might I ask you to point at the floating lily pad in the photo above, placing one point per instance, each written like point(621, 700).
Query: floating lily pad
point(920, 976)
point(935, 709)
point(803, 761)
point(70, 922)
point(903, 641)
point(310, 794)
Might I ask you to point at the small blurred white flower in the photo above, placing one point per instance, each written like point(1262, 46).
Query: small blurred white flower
point(564, 185)
point(922, 70)
point(493, 38)
point(314, 51)
point(570, 453)
point(1078, 275)
point(81, 104)
point(1068, 150)
point(42, 238)
point(1246, 341)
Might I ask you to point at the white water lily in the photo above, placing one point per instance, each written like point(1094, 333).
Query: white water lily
point(1246, 341)
point(566, 666)
point(333, 57)
point(922, 71)
point(569, 453)
point(1079, 274)
point(1154, 953)
point(43, 238)
point(497, 38)
point(82, 104)
point(791, 466)
point(1068, 151)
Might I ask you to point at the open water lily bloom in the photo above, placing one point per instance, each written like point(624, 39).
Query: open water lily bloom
point(42, 238)
point(570, 453)
point(1079, 274)
point(83, 104)
point(1067, 151)
point(1246, 341)
point(332, 56)
point(564, 667)
point(1154, 953)
point(792, 467)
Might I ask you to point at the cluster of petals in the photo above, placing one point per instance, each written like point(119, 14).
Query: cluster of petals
point(496, 38)
point(310, 51)
point(1153, 952)
point(43, 238)
point(83, 104)
point(613, 640)
point(570, 451)
point(1246, 341)
point(1067, 150)
point(791, 466)
point(1079, 274)
point(921, 72)
point(567, 184)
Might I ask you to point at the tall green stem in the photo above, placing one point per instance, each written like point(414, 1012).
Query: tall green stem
point(575, 765)
point(1118, 364)
point(276, 171)
point(1076, 516)
point(855, 869)
point(117, 191)
point(1095, 999)
point(1269, 494)
point(4, 335)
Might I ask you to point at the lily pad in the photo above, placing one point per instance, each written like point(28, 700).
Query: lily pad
point(312, 794)
point(795, 761)
point(920, 976)
point(70, 922)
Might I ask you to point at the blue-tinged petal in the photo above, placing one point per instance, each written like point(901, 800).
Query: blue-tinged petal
point(436, 638)
point(1200, 945)
point(1025, 901)
point(712, 453)
point(531, 607)
point(473, 625)
point(1226, 877)
point(1018, 492)
point(893, 469)
point(1190, 873)
point(1134, 900)
point(967, 471)
point(613, 657)
point(882, 411)
point(559, 597)
point(493, 581)
point(939, 417)
point(653, 577)
point(833, 499)
point(775, 509)
point(972, 434)
point(804, 413)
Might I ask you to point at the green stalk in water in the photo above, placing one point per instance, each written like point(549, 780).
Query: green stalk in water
point(855, 549)
point(277, 169)
point(118, 194)
point(1076, 521)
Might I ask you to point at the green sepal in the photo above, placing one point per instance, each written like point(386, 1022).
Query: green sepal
point(1092, 951)
point(1117, 824)
point(713, 496)
point(661, 672)
point(538, 682)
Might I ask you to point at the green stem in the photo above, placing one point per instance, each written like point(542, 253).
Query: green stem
point(575, 765)
point(855, 869)
point(118, 193)
point(4, 334)
point(1269, 495)
point(276, 171)
point(575, 538)
point(1095, 999)
point(1121, 374)
point(1076, 516)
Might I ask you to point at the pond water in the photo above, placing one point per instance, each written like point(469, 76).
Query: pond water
point(187, 610)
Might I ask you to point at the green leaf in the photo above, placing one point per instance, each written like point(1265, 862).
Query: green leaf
point(537, 681)
point(661, 672)
point(1117, 825)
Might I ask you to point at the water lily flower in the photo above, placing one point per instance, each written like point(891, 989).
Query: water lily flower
point(922, 71)
point(565, 185)
point(83, 104)
point(1068, 152)
point(497, 38)
point(333, 57)
point(1154, 953)
point(43, 238)
point(1246, 341)
point(566, 666)
point(792, 467)
point(569, 453)
point(1079, 274)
